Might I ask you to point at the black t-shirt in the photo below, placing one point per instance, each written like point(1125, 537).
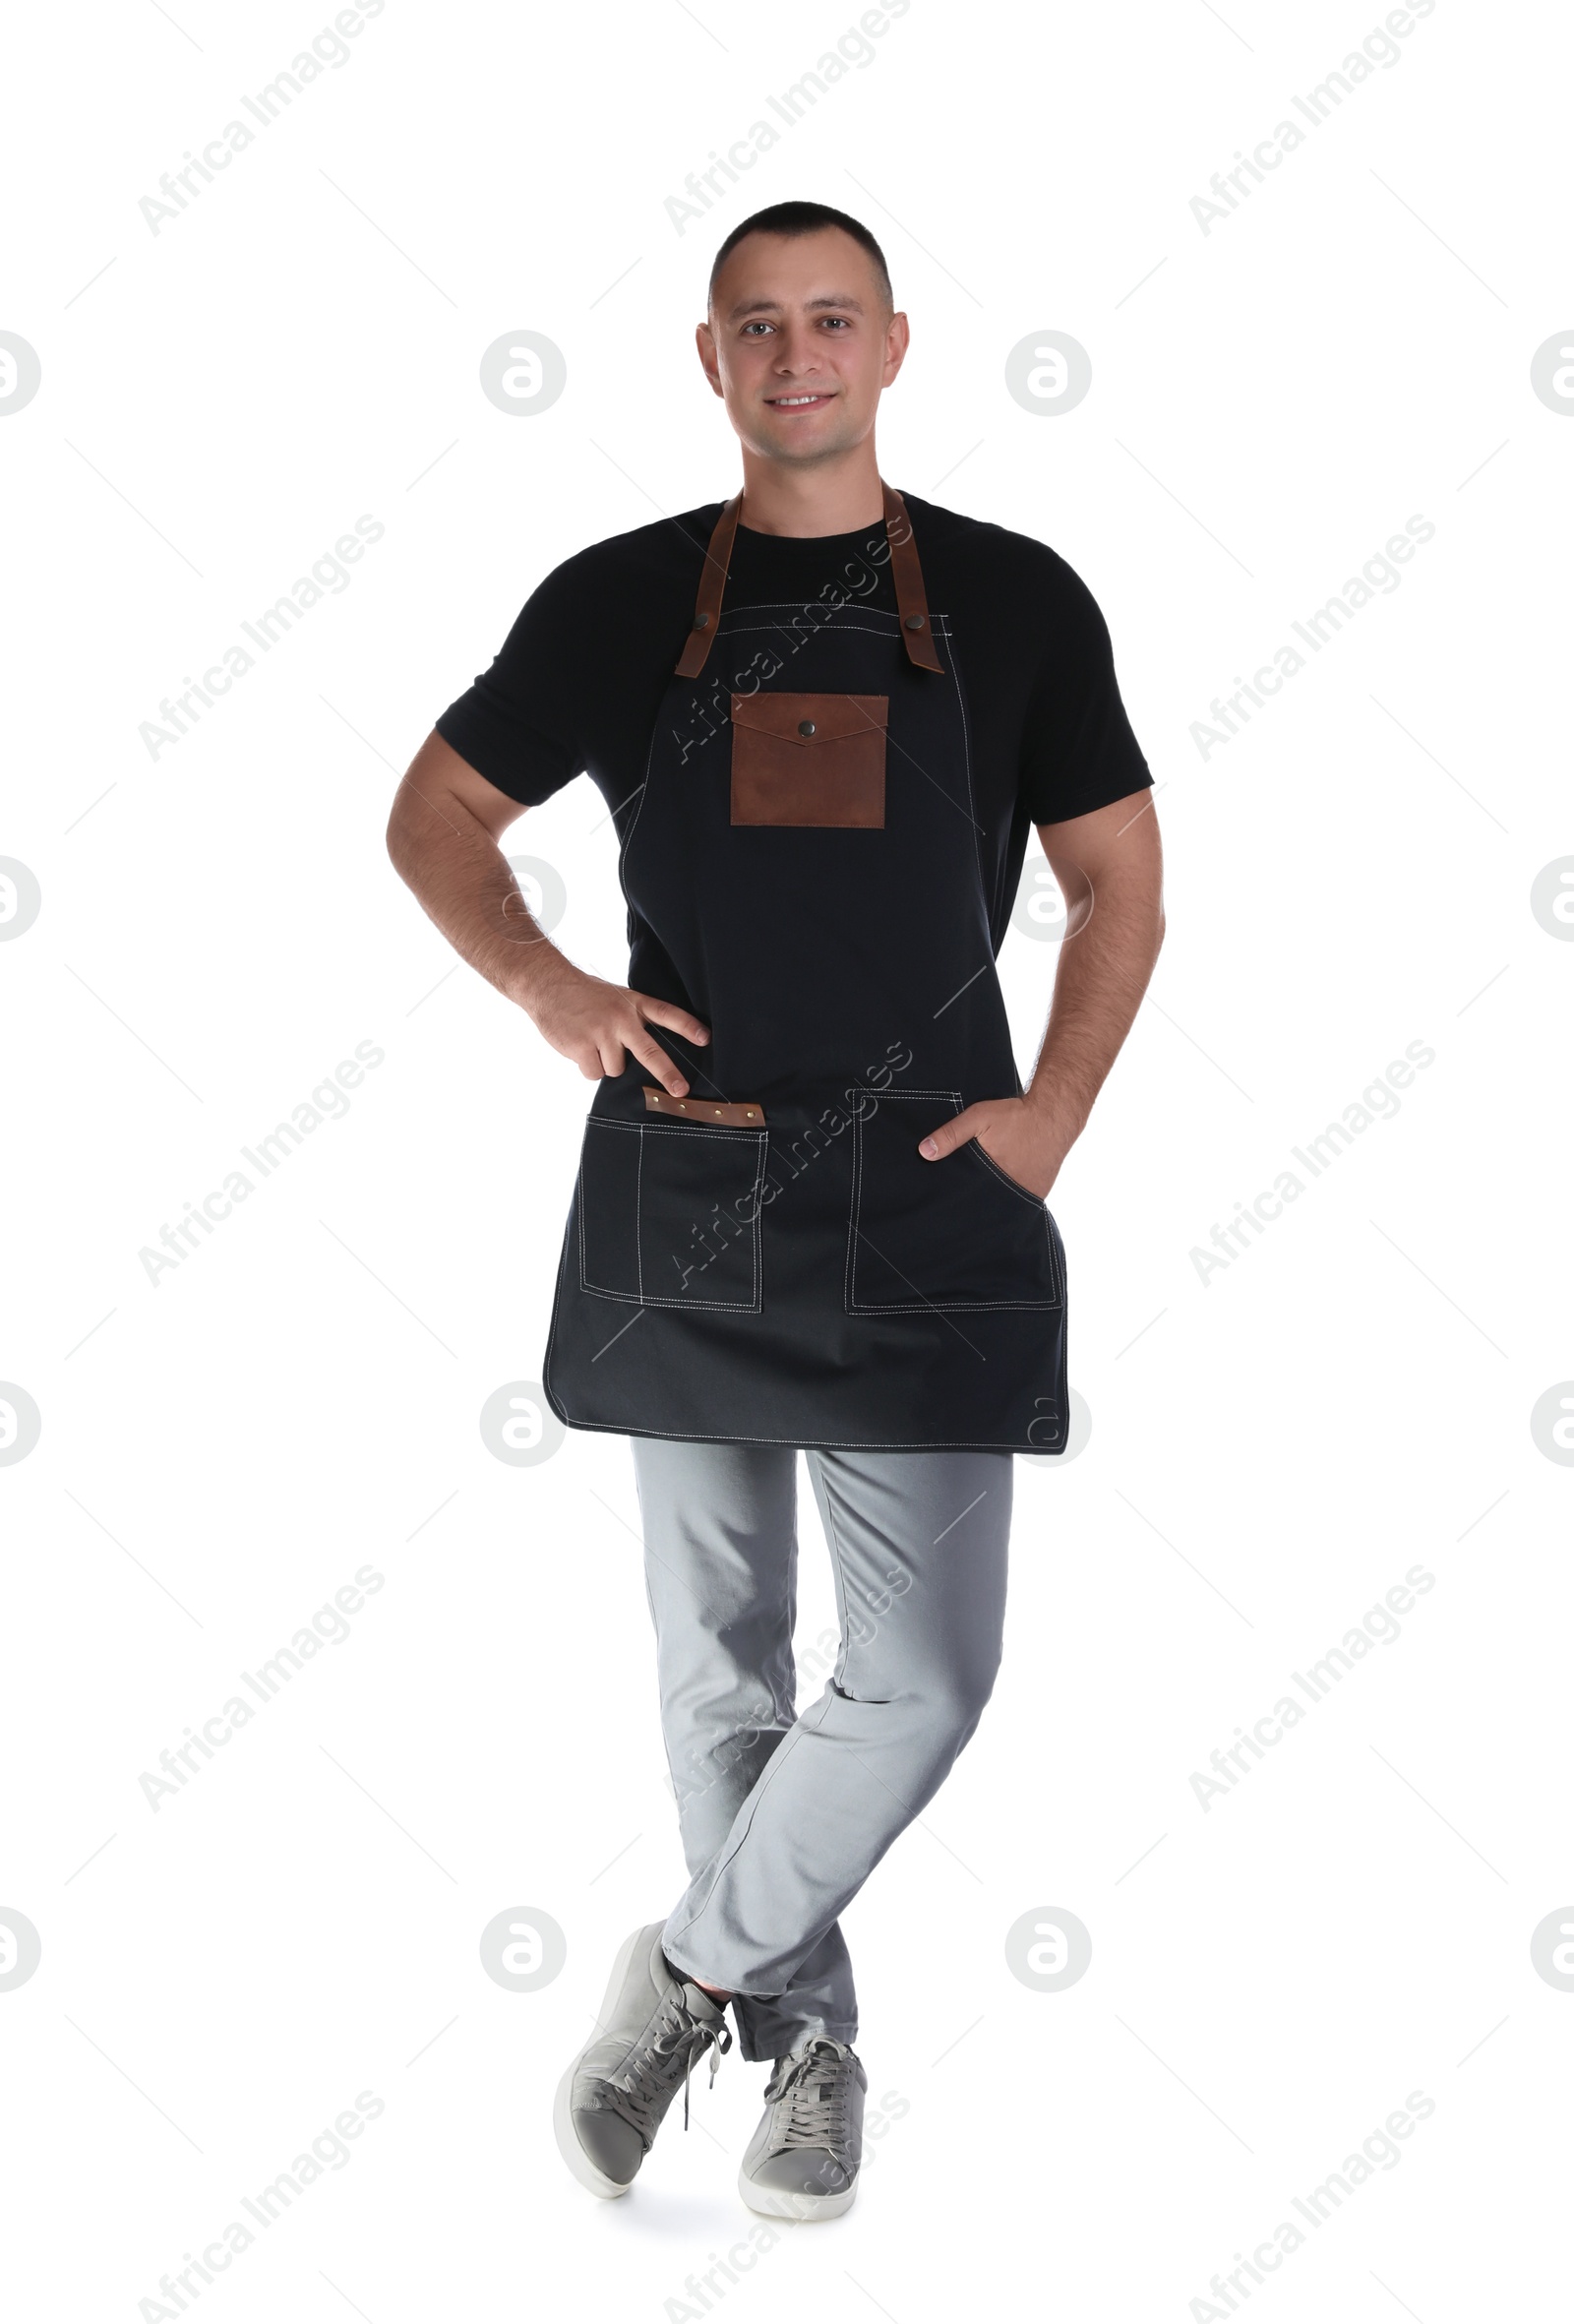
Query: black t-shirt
point(577, 684)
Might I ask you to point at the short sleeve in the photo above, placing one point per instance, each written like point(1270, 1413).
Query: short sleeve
point(518, 725)
point(1078, 750)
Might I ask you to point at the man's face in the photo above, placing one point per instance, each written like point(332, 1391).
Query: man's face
point(799, 343)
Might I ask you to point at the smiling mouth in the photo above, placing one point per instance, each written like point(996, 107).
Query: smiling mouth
point(810, 402)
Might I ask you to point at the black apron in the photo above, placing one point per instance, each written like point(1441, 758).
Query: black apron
point(770, 1260)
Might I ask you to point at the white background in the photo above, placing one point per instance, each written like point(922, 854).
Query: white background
point(1271, 1450)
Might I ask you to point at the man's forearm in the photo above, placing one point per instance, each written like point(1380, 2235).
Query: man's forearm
point(443, 837)
point(462, 881)
point(1101, 977)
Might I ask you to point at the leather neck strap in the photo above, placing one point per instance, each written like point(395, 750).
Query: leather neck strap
point(906, 573)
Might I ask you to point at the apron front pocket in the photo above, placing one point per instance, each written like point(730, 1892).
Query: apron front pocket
point(669, 1216)
point(958, 1233)
point(810, 759)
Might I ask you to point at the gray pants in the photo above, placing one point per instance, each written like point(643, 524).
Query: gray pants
point(784, 1817)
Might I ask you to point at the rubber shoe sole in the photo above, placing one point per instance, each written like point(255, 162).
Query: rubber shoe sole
point(784, 2203)
point(590, 2174)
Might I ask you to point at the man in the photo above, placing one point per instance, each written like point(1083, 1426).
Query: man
point(811, 1209)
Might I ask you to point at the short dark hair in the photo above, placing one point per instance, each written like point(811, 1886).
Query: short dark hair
point(793, 219)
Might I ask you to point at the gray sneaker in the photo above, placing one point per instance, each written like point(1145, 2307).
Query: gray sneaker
point(653, 2025)
point(802, 2160)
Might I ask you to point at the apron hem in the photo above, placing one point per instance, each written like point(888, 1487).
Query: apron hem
point(607, 1428)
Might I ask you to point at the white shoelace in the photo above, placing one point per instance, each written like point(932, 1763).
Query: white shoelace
point(644, 2083)
point(812, 2090)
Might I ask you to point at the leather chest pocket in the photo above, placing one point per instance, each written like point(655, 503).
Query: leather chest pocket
point(668, 1215)
point(809, 759)
point(958, 1233)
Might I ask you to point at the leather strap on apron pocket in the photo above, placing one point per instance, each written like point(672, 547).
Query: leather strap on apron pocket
point(809, 759)
point(669, 1213)
point(957, 1233)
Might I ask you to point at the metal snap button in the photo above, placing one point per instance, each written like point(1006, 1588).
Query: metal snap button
point(914, 621)
point(805, 725)
point(702, 620)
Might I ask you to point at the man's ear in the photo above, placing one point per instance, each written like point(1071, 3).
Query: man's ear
point(706, 346)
